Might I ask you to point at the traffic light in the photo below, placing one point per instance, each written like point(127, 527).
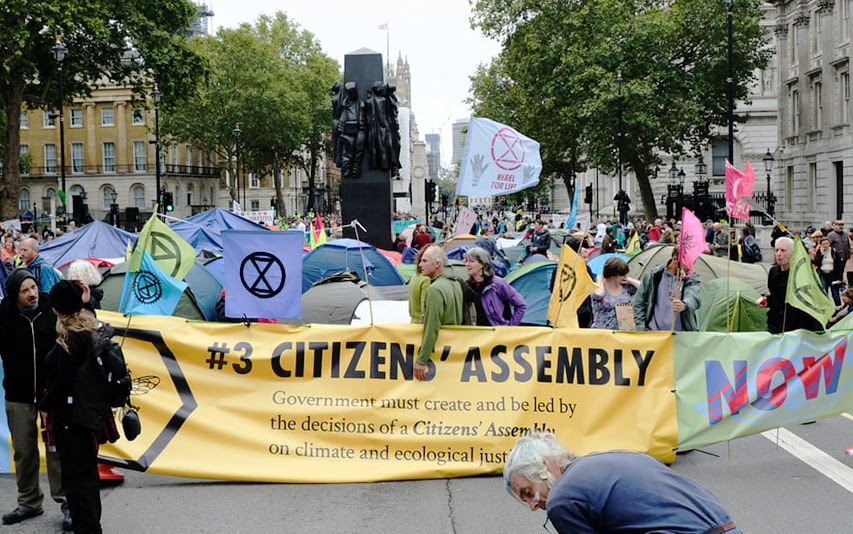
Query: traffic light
point(587, 199)
point(168, 201)
point(430, 191)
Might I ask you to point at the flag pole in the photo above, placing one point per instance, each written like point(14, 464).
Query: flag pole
point(728, 274)
point(355, 225)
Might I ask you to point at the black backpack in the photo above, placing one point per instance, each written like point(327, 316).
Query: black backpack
point(469, 309)
point(111, 366)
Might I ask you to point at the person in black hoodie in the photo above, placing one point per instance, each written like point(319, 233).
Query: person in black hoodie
point(75, 400)
point(28, 333)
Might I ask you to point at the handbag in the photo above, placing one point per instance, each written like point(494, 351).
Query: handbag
point(130, 424)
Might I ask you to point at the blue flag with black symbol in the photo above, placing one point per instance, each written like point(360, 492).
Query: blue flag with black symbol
point(263, 274)
point(149, 290)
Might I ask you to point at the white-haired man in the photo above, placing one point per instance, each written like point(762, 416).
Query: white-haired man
point(612, 492)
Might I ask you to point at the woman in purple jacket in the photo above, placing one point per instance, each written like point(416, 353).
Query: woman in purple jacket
point(496, 301)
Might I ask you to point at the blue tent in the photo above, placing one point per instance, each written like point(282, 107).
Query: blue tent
point(94, 240)
point(533, 281)
point(204, 230)
point(345, 255)
point(596, 264)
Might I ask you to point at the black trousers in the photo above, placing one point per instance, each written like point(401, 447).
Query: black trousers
point(78, 455)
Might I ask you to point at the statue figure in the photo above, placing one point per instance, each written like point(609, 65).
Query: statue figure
point(383, 129)
point(337, 110)
point(350, 132)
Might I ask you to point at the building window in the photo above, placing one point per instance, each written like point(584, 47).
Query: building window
point(845, 97)
point(793, 31)
point(189, 159)
point(76, 117)
point(25, 120)
point(107, 116)
point(140, 156)
point(50, 158)
point(76, 157)
point(795, 112)
point(189, 194)
point(719, 153)
point(789, 187)
point(48, 119)
point(107, 197)
point(817, 119)
point(177, 197)
point(25, 151)
point(254, 182)
point(817, 31)
point(24, 200)
point(812, 187)
point(137, 193)
point(256, 205)
point(76, 191)
point(845, 20)
point(109, 156)
point(176, 158)
point(137, 116)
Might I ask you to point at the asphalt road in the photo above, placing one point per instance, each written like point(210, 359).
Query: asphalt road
point(795, 480)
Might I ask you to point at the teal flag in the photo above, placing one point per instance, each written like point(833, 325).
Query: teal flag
point(149, 290)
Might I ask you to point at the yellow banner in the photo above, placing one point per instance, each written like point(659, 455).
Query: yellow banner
point(572, 285)
point(339, 403)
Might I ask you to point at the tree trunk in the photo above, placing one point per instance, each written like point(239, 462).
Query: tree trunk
point(312, 174)
point(646, 195)
point(10, 185)
point(279, 195)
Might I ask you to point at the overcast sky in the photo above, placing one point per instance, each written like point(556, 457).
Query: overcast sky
point(435, 35)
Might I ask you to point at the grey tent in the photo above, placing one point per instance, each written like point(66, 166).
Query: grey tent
point(708, 267)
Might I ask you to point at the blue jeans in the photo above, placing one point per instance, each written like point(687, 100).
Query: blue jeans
point(826, 280)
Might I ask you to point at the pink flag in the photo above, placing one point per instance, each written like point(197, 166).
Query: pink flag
point(738, 184)
point(692, 241)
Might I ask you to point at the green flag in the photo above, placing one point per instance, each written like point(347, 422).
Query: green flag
point(804, 289)
point(174, 255)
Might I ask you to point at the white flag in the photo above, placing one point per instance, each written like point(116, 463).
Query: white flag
point(497, 160)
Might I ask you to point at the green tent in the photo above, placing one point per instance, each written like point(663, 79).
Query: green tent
point(198, 301)
point(707, 267)
point(744, 313)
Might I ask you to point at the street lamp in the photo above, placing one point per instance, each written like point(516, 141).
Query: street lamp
point(671, 191)
point(681, 176)
point(237, 133)
point(155, 94)
point(768, 160)
point(700, 189)
point(730, 78)
point(114, 207)
point(701, 168)
point(673, 173)
point(619, 82)
point(59, 52)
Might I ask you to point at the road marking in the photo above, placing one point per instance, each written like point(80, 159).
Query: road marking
point(847, 415)
point(812, 456)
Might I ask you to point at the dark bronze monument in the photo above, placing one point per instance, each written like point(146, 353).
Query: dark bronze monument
point(366, 146)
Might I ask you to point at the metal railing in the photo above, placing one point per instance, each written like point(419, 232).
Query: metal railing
point(179, 170)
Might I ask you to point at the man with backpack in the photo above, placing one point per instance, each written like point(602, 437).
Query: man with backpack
point(749, 246)
point(443, 305)
point(28, 331)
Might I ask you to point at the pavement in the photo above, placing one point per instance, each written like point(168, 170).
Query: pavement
point(767, 484)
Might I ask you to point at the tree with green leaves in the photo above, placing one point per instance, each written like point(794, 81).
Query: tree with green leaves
point(555, 77)
point(272, 79)
point(136, 43)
